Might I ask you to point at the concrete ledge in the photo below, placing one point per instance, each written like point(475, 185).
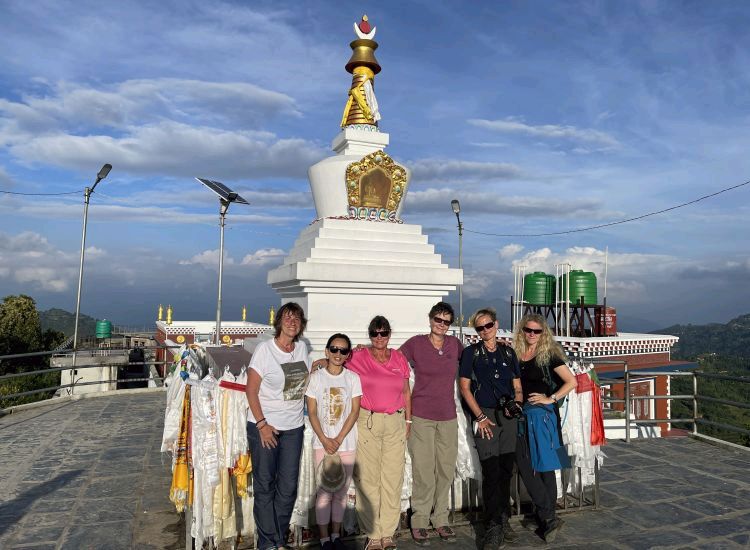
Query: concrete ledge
point(66, 398)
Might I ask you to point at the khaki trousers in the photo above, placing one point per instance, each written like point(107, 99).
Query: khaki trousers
point(433, 446)
point(379, 472)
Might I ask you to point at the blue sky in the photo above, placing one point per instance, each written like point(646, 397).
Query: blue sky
point(537, 116)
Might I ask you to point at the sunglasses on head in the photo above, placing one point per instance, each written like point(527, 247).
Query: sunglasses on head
point(488, 326)
point(336, 349)
point(444, 322)
point(528, 330)
point(381, 333)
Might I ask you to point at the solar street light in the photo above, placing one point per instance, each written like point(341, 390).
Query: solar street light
point(226, 197)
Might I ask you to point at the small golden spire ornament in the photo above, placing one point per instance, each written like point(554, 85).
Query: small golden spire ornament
point(271, 315)
point(244, 313)
point(361, 105)
point(169, 315)
point(161, 313)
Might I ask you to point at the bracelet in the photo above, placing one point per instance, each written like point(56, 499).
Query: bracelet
point(554, 397)
point(482, 417)
point(261, 420)
point(258, 426)
point(409, 421)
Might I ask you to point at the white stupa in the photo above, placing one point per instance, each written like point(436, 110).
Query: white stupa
point(358, 259)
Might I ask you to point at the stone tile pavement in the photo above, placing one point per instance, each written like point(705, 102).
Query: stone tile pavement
point(88, 474)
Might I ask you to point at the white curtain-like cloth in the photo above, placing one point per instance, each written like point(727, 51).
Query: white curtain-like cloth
point(306, 487)
point(575, 414)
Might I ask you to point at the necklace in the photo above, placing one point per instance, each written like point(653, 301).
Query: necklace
point(288, 348)
point(439, 349)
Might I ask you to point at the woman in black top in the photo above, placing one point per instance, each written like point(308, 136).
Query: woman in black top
point(545, 379)
point(488, 378)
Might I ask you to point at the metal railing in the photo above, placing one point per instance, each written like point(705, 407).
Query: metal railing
point(695, 397)
point(6, 400)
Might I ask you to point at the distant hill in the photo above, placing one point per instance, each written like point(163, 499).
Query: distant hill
point(730, 339)
point(64, 321)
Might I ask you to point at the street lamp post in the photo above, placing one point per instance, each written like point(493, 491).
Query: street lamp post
point(103, 173)
point(456, 206)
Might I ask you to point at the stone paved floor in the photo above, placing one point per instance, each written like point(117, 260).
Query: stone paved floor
point(88, 474)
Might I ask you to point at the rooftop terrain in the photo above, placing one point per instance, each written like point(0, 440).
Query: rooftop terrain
point(88, 474)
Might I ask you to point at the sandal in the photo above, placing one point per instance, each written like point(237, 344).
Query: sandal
point(373, 544)
point(388, 543)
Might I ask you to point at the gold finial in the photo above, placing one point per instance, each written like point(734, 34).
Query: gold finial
point(361, 105)
point(161, 312)
point(271, 315)
point(169, 315)
point(244, 313)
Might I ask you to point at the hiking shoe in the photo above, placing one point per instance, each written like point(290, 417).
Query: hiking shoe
point(530, 522)
point(494, 538)
point(446, 533)
point(373, 544)
point(551, 529)
point(338, 544)
point(388, 544)
point(508, 533)
point(420, 537)
point(327, 545)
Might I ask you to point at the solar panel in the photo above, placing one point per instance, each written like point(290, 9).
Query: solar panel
point(222, 190)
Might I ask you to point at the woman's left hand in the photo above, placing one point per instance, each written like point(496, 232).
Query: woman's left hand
point(408, 430)
point(540, 399)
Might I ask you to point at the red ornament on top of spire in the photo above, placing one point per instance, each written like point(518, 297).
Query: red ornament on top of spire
point(364, 25)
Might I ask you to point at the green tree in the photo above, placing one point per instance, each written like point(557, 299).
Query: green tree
point(21, 332)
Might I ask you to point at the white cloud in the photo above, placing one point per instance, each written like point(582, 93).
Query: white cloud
point(208, 259)
point(510, 250)
point(438, 200)
point(176, 149)
point(264, 256)
point(29, 259)
point(548, 131)
point(462, 170)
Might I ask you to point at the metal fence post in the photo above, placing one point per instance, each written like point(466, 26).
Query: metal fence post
point(627, 404)
point(695, 404)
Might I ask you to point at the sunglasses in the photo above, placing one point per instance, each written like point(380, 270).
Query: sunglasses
point(342, 351)
point(528, 330)
point(381, 333)
point(488, 326)
point(444, 322)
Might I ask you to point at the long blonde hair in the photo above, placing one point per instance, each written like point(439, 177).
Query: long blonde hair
point(546, 348)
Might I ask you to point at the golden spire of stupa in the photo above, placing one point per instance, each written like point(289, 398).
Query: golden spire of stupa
point(361, 105)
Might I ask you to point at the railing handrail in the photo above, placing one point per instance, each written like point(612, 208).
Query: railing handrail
point(80, 350)
point(695, 397)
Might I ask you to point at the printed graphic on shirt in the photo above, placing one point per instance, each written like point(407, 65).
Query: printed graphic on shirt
point(295, 375)
point(335, 397)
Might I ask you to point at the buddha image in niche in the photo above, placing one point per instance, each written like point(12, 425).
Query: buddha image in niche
point(374, 188)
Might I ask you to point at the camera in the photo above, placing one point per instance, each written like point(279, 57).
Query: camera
point(510, 408)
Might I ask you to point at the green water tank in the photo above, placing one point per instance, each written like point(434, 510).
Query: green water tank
point(104, 329)
point(582, 283)
point(539, 288)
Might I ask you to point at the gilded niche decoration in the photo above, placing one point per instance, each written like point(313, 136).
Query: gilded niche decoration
point(375, 186)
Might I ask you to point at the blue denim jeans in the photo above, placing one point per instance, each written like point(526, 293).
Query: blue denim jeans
point(275, 474)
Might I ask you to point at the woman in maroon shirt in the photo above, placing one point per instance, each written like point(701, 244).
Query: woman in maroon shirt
point(433, 443)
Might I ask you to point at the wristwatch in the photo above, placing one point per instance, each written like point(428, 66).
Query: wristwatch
point(554, 397)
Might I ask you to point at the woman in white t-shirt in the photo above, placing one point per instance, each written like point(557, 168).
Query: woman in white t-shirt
point(333, 396)
point(275, 426)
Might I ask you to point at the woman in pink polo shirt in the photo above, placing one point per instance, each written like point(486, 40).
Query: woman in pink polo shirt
point(383, 426)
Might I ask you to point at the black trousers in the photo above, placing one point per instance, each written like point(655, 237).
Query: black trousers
point(541, 486)
point(497, 472)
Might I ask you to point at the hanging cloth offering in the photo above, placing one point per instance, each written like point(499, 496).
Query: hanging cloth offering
point(178, 492)
point(597, 417)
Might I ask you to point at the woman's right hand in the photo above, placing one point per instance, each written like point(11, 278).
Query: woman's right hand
point(484, 428)
point(320, 364)
point(268, 436)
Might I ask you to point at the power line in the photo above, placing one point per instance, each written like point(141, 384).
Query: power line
point(39, 194)
point(609, 224)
